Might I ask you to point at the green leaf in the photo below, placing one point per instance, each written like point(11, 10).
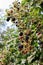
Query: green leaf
point(24, 1)
point(1, 45)
point(26, 63)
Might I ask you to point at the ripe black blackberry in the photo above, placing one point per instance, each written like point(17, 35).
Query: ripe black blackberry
point(18, 8)
point(40, 42)
point(8, 18)
point(27, 37)
point(18, 2)
point(20, 47)
point(41, 4)
point(22, 41)
point(21, 33)
point(8, 14)
point(13, 19)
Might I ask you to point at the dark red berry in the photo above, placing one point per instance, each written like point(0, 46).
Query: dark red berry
point(39, 24)
point(39, 33)
point(11, 11)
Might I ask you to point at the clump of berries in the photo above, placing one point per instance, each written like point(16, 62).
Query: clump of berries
point(29, 24)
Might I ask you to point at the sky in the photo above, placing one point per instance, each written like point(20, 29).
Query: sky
point(4, 4)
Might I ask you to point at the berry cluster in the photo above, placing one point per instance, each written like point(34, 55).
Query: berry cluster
point(29, 23)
